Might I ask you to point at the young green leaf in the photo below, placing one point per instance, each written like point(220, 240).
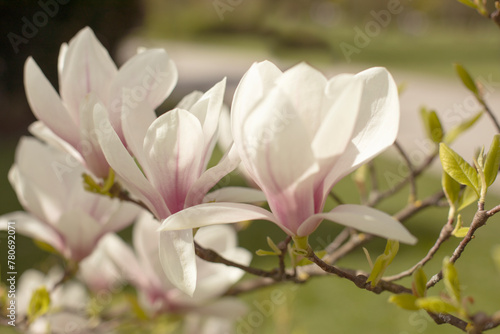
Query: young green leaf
point(469, 3)
point(261, 252)
point(492, 162)
point(39, 303)
point(436, 305)
point(467, 197)
point(451, 282)
point(458, 168)
point(405, 301)
point(419, 282)
point(460, 231)
point(432, 125)
point(451, 189)
point(454, 132)
point(273, 246)
point(383, 261)
point(465, 76)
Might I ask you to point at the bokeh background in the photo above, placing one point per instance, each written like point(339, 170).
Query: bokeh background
point(210, 39)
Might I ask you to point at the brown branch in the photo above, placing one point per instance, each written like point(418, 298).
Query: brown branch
point(479, 220)
point(413, 186)
point(443, 236)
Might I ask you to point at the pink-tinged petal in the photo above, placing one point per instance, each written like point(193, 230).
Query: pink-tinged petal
point(207, 109)
point(46, 104)
point(87, 68)
point(81, 233)
point(146, 79)
point(42, 132)
point(31, 227)
point(364, 219)
point(125, 167)
point(236, 195)
point(213, 214)
point(178, 260)
point(89, 145)
point(173, 148)
point(377, 124)
point(212, 176)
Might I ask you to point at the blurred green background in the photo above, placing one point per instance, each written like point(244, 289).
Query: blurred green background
point(424, 37)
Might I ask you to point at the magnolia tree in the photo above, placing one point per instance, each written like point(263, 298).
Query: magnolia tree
point(102, 160)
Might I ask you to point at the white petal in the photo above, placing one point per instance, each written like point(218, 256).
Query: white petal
point(87, 68)
point(135, 125)
point(46, 104)
point(146, 79)
point(213, 214)
point(30, 227)
point(177, 258)
point(89, 145)
point(212, 176)
point(364, 219)
point(42, 132)
point(377, 124)
point(236, 195)
point(173, 148)
point(125, 167)
point(81, 233)
point(256, 82)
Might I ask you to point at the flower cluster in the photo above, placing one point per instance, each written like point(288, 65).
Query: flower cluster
point(294, 133)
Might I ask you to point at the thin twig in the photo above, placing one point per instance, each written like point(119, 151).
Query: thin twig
point(413, 186)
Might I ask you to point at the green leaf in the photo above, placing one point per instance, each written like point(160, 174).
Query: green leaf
point(261, 252)
point(436, 305)
point(432, 125)
point(454, 132)
point(420, 282)
point(458, 168)
point(469, 3)
point(468, 197)
point(39, 303)
point(405, 301)
point(273, 246)
point(451, 282)
point(492, 162)
point(383, 261)
point(460, 231)
point(464, 75)
point(451, 189)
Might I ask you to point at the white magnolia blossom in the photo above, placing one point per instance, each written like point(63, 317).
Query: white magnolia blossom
point(61, 212)
point(68, 303)
point(173, 151)
point(298, 134)
point(88, 75)
point(141, 267)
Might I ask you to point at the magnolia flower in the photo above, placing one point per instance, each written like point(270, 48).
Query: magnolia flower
point(157, 295)
point(166, 168)
point(61, 213)
point(66, 303)
point(298, 134)
point(88, 74)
